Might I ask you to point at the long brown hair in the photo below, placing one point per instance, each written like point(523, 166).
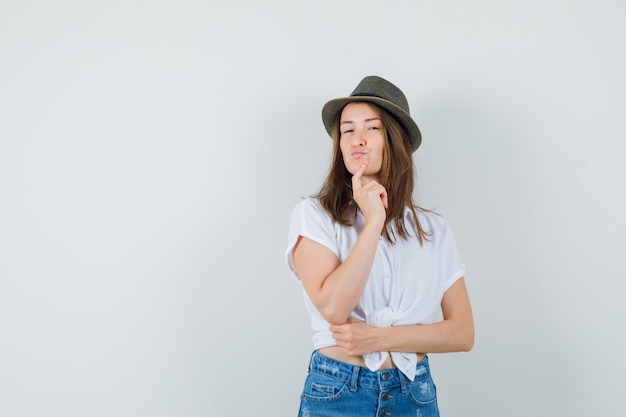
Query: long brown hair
point(396, 175)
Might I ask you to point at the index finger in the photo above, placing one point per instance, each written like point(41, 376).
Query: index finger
point(356, 178)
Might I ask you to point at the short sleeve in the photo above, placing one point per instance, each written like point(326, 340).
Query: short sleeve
point(309, 220)
point(450, 265)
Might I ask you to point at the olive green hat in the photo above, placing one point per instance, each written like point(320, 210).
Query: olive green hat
point(373, 89)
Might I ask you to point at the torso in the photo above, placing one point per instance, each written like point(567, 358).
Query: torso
point(336, 353)
point(404, 268)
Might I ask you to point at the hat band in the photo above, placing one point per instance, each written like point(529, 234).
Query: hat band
point(366, 95)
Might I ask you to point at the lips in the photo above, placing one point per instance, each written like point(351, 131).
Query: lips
point(357, 154)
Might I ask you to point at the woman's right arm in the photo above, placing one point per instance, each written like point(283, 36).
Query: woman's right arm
point(334, 287)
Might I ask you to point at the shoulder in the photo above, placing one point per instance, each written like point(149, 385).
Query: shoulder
point(310, 220)
point(310, 211)
point(310, 206)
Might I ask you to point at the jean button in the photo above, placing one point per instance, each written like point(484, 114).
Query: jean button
point(386, 377)
point(384, 397)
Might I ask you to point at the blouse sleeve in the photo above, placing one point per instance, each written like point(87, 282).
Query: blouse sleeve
point(450, 261)
point(311, 221)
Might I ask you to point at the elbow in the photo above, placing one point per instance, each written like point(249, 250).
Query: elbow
point(336, 319)
point(461, 339)
point(465, 335)
point(337, 322)
point(467, 341)
point(334, 316)
point(467, 345)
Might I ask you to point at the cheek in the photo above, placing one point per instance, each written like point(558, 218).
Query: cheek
point(380, 152)
point(343, 151)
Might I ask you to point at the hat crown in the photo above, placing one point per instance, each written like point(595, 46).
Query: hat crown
point(374, 86)
point(378, 91)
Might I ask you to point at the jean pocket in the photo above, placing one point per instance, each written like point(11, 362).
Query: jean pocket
point(319, 387)
point(423, 392)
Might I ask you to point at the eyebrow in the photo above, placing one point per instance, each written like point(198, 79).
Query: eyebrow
point(366, 120)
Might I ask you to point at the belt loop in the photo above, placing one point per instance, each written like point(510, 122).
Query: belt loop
point(355, 379)
point(404, 382)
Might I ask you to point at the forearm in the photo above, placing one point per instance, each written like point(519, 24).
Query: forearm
point(444, 336)
point(342, 289)
point(455, 333)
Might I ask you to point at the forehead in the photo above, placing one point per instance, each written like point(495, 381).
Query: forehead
point(359, 110)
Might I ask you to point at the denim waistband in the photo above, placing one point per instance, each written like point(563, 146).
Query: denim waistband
point(362, 376)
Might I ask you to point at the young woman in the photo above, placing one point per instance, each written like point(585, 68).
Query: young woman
point(378, 272)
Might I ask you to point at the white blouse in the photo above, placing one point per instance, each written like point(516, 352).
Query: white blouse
point(406, 283)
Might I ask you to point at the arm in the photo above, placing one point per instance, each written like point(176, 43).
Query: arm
point(454, 333)
point(335, 288)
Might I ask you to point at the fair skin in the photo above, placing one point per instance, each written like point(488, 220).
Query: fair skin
point(362, 140)
point(335, 287)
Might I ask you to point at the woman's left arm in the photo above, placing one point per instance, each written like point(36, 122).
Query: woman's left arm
point(454, 333)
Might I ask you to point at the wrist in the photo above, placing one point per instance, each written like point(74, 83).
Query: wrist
point(379, 339)
point(374, 227)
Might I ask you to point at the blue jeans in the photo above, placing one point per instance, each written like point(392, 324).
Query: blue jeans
point(335, 389)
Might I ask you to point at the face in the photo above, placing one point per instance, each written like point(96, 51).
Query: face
point(361, 138)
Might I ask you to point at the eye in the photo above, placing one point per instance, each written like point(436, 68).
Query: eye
point(346, 131)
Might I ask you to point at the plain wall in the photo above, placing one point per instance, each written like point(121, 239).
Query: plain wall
point(151, 154)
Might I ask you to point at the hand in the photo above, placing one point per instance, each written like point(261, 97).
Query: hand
point(355, 337)
point(370, 196)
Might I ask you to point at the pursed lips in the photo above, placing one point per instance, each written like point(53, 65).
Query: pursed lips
point(357, 154)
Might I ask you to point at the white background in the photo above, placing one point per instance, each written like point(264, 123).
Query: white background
point(151, 153)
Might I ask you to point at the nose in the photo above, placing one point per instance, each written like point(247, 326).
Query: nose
point(358, 139)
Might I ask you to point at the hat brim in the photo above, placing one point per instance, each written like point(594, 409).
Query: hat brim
point(333, 108)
